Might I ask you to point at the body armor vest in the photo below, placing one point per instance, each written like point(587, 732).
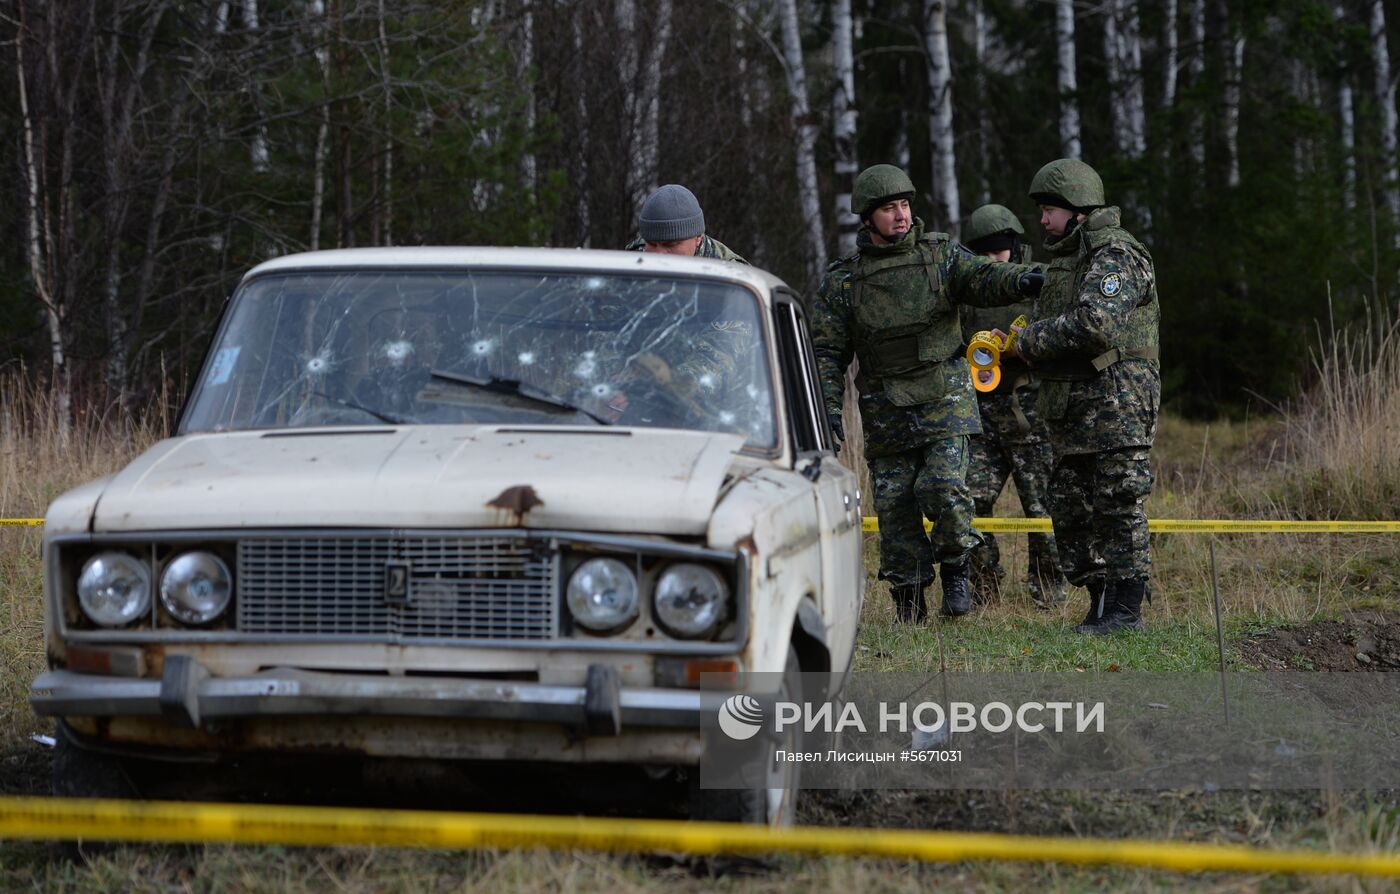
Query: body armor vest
point(904, 327)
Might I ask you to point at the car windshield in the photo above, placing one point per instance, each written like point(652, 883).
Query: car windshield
point(369, 348)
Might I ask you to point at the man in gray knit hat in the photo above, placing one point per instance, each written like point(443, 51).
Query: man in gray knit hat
point(672, 223)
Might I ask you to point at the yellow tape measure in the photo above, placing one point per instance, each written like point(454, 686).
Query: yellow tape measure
point(1181, 526)
point(984, 352)
point(265, 824)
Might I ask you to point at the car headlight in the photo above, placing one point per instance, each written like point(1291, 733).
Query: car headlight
point(602, 594)
point(691, 600)
point(195, 587)
point(114, 588)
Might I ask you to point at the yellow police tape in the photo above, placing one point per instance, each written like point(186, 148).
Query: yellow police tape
point(21, 522)
point(1183, 526)
point(254, 824)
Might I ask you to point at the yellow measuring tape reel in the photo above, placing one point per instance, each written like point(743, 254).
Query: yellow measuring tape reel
point(984, 352)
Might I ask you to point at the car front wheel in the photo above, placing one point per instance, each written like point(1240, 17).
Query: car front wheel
point(774, 804)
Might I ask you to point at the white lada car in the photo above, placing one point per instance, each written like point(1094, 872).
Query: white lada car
point(462, 504)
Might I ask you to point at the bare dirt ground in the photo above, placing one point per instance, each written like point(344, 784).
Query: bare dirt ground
point(1360, 641)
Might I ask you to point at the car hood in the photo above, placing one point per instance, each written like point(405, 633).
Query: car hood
point(618, 480)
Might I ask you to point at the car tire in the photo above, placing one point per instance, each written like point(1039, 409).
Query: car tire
point(775, 804)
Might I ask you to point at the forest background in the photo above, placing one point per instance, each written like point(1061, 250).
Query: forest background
point(152, 151)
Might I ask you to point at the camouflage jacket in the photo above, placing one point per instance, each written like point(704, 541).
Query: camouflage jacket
point(709, 248)
point(1093, 342)
point(717, 354)
point(895, 307)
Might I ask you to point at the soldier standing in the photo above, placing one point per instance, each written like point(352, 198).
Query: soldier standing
point(1093, 344)
point(893, 305)
point(1013, 443)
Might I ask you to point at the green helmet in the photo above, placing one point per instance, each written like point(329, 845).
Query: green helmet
point(990, 220)
point(878, 184)
point(1067, 183)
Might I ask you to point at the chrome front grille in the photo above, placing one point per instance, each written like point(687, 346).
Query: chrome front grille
point(459, 588)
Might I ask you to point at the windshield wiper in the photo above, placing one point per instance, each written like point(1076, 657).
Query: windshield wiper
point(516, 388)
point(382, 417)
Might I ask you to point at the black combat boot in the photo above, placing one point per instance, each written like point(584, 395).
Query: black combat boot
point(1126, 611)
point(957, 591)
point(909, 605)
point(1098, 606)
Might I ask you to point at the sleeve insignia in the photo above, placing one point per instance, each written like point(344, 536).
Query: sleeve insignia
point(1110, 285)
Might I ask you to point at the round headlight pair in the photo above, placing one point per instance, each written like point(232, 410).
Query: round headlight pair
point(691, 600)
point(114, 588)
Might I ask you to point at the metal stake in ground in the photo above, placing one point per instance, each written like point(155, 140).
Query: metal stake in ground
point(1219, 631)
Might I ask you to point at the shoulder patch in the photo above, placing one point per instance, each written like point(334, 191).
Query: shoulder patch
point(1110, 285)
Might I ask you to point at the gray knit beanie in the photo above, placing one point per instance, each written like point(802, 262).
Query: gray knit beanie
point(671, 213)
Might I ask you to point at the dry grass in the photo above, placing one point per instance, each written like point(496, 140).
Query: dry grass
point(39, 461)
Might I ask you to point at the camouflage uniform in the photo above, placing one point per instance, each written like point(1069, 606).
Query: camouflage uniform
point(895, 307)
point(709, 248)
point(711, 370)
point(1013, 444)
point(1094, 346)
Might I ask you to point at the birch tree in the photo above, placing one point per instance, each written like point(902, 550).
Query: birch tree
point(1067, 79)
point(1233, 80)
point(39, 247)
point(979, 49)
point(643, 102)
point(940, 82)
point(1385, 102)
point(320, 32)
point(1347, 113)
point(843, 117)
point(1169, 54)
point(1198, 69)
point(1123, 56)
point(806, 131)
point(257, 150)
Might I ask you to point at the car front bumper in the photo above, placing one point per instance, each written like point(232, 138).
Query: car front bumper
point(186, 695)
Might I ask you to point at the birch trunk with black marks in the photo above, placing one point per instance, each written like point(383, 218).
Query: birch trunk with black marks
point(524, 73)
point(980, 36)
point(843, 115)
point(1067, 79)
point(386, 205)
point(258, 150)
point(940, 81)
point(1169, 54)
point(1197, 68)
point(1233, 83)
point(1347, 113)
point(643, 104)
point(1385, 103)
point(806, 131)
point(317, 9)
point(581, 136)
point(39, 248)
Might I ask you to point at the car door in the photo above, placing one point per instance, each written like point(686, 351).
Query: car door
point(834, 487)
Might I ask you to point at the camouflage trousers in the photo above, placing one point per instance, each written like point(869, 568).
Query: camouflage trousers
point(1006, 450)
point(929, 481)
point(1096, 502)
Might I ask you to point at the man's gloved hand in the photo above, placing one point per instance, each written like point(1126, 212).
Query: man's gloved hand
point(1030, 283)
point(837, 428)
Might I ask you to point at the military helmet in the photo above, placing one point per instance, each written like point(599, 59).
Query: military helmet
point(991, 220)
point(878, 184)
point(1068, 183)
